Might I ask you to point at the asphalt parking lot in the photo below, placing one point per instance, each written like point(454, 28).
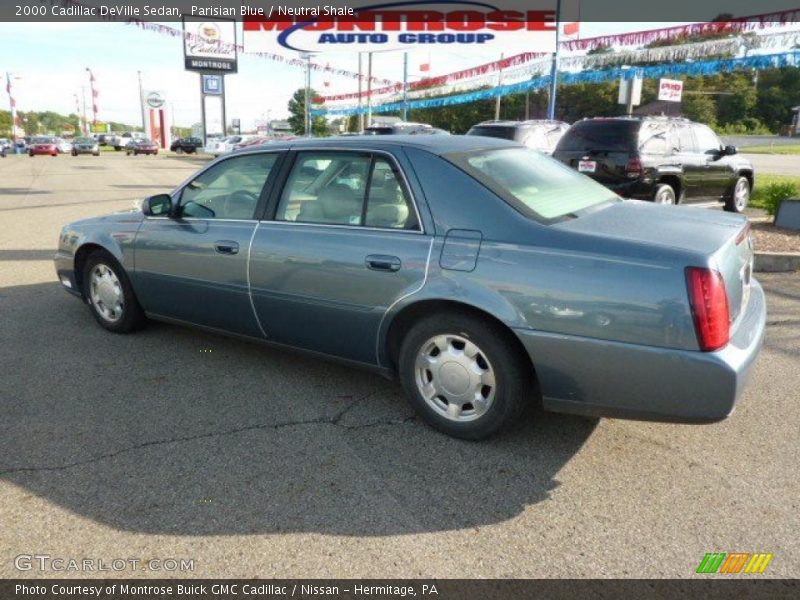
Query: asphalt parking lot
point(253, 462)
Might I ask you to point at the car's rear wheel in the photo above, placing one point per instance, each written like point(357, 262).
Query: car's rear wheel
point(665, 194)
point(740, 196)
point(463, 374)
point(108, 291)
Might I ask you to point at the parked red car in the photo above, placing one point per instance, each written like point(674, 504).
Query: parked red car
point(141, 146)
point(43, 145)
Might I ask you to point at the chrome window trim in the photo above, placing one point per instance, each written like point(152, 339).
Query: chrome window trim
point(342, 226)
point(351, 150)
point(178, 220)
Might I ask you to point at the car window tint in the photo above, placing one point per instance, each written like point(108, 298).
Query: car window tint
point(387, 202)
point(707, 140)
point(600, 135)
point(327, 188)
point(228, 190)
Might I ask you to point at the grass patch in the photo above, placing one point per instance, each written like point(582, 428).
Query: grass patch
point(771, 189)
point(771, 149)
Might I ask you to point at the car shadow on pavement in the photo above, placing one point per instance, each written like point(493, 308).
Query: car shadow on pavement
point(174, 431)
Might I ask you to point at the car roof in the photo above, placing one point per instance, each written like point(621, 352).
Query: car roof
point(528, 123)
point(435, 144)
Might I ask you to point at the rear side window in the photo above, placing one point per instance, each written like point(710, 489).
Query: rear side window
point(653, 139)
point(685, 138)
point(346, 188)
point(534, 183)
point(600, 136)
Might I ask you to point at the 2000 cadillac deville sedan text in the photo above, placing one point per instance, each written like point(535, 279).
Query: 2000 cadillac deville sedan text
point(477, 271)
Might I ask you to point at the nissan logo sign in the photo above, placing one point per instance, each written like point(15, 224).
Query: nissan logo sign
point(154, 100)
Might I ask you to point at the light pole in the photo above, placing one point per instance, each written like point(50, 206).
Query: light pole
point(141, 102)
point(551, 105)
point(307, 94)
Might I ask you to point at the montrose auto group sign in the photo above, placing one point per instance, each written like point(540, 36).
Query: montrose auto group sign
point(401, 25)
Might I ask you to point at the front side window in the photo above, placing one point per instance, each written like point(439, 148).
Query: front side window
point(707, 140)
point(229, 190)
point(532, 182)
point(338, 188)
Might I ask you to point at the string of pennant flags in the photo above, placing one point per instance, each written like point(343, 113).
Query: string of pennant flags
point(691, 69)
point(539, 67)
point(741, 25)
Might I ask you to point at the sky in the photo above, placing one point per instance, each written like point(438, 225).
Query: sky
point(49, 61)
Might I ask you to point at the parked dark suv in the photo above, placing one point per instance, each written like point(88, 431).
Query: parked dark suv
point(539, 134)
point(188, 145)
point(666, 160)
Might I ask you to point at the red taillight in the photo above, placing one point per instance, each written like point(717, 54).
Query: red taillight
point(634, 168)
point(709, 303)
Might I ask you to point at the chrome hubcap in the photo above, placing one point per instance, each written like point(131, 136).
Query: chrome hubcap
point(106, 294)
point(455, 378)
point(665, 197)
point(741, 194)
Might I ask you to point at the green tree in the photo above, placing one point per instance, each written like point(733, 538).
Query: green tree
point(297, 115)
point(700, 108)
point(5, 123)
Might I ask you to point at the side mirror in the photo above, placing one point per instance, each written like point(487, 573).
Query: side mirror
point(159, 205)
point(729, 150)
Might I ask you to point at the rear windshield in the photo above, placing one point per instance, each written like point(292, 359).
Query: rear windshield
point(505, 133)
point(600, 136)
point(535, 184)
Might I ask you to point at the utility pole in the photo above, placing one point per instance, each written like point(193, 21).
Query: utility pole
point(141, 103)
point(405, 86)
point(499, 83)
point(85, 122)
point(360, 114)
point(369, 89)
point(551, 105)
point(308, 95)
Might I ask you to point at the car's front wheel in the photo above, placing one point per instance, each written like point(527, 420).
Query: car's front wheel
point(109, 294)
point(740, 196)
point(463, 374)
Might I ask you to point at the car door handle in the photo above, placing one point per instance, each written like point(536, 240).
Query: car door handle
point(226, 247)
point(381, 262)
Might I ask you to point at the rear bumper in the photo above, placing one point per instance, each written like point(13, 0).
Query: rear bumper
point(638, 189)
point(611, 379)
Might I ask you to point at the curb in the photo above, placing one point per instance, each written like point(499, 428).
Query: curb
point(776, 262)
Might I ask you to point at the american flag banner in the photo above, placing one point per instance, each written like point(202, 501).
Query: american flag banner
point(95, 94)
point(13, 104)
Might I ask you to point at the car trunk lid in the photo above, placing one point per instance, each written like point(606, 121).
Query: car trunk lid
point(722, 240)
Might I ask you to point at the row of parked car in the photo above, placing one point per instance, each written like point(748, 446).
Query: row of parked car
point(665, 160)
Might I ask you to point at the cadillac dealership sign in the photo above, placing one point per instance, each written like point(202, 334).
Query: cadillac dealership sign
point(408, 25)
point(209, 45)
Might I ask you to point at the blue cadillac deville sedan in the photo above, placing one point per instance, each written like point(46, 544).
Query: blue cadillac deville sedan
point(483, 275)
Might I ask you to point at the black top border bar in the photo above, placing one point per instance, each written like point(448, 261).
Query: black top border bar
point(618, 11)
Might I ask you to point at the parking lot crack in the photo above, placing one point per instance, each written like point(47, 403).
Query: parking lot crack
point(335, 421)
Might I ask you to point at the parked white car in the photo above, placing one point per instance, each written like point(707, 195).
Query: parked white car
point(64, 146)
point(218, 146)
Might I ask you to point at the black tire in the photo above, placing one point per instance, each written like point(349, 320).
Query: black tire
point(736, 203)
point(513, 376)
point(133, 317)
point(95, 154)
point(30, 154)
point(664, 194)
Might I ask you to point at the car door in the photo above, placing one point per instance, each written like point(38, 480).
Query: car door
point(192, 266)
point(344, 243)
point(718, 170)
point(692, 162)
